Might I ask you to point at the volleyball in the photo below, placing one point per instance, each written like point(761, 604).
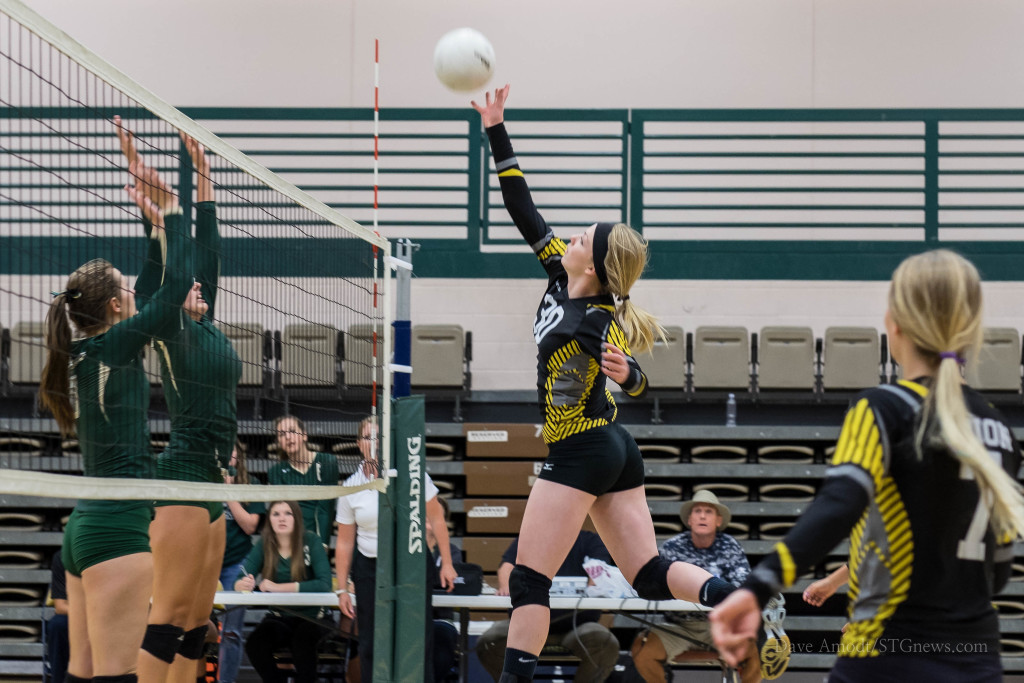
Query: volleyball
point(464, 60)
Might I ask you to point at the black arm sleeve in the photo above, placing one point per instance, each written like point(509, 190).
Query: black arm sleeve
point(840, 503)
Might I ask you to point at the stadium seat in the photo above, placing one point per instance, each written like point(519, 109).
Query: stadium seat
point(247, 338)
point(438, 356)
point(665, 363)
point(28, 352)
point(785, 358)
point(721, 358)
point(998, 364)
point(357, 366)
point(309, 355)
point(851, 358)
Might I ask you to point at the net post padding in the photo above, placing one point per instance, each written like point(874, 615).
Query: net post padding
point(48, 485)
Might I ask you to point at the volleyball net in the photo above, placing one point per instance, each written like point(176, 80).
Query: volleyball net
point(300, 290)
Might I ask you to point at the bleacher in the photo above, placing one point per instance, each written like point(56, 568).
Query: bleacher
point(791, 389)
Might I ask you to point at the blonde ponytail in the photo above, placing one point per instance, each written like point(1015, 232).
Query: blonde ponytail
point(624, 264)
point(954, 430)
point(935, 299)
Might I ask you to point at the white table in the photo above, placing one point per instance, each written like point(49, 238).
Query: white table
point(465, 603)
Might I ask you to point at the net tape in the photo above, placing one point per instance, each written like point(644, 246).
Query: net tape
point(46, 484)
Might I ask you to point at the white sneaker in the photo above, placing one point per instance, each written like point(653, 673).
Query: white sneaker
point(776, 650)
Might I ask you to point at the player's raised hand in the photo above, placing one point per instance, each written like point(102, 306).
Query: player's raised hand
point(493, 111)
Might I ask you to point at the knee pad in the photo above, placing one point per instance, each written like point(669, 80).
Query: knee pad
point(162, 641)
point(193, 642)
point(71, 678)
point(528, 587)
point(714, 591)
point(651, 582)
point(123, 678)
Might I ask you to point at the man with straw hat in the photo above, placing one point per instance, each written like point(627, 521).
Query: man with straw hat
point(706, 545)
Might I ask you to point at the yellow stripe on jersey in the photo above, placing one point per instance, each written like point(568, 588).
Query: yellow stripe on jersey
point(918, 389)
point(615, 334)
point(104, 377)
point(894, 562)
point(860, 443)
point(512, 172)
point(562, 421)
point(555, 247)
point(787, 563)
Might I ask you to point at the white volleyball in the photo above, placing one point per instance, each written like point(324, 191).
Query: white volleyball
point(464, 60)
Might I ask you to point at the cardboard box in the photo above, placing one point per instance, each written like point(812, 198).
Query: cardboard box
point(498, 440)
point(500, 478)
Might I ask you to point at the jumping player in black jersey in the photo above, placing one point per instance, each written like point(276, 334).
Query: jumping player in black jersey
point(593, 465)
point(199, 371)
point(96, 387)
point(922, 482)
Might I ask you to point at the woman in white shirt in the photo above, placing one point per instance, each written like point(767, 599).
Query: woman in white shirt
point(356, 548)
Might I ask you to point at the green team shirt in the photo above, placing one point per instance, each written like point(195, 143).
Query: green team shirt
point(110, 391)
point(317, 579)
point(317, 515)
point(238, 543)
point(199, 370)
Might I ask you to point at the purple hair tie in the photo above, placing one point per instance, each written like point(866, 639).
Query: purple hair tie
point(952, 354)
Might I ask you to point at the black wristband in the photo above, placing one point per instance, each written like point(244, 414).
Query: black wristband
point(714, 591)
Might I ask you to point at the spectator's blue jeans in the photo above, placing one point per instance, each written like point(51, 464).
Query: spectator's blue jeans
point(231, 623)
point(57, 646)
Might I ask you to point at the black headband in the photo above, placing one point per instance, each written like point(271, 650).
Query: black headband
point(601, 251)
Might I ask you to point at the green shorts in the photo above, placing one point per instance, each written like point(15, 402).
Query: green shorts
point(105, 531)
point(174, 467)
point(215, 509)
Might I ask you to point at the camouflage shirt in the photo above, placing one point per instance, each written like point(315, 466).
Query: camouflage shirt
point(724, 558)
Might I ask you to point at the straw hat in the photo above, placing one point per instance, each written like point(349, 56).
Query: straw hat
point(708, 498)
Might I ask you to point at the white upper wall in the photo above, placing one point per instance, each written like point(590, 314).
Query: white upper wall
point(566, 53)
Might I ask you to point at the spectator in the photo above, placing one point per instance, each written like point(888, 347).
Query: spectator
point(356, 548)
point(301, 466)
point(290, 560)
point(241, 522)
point(57, 627)
point(706, 546)
point(578, 632)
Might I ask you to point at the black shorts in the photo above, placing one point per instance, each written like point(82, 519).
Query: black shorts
point(600, 460)
point(948, 668)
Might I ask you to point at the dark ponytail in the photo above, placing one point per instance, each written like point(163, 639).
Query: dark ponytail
point(84, 303)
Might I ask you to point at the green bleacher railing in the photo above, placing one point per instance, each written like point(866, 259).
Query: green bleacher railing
point(722, 194)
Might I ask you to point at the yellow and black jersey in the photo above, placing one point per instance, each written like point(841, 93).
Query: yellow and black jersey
point(924, 562)
point(570, 333)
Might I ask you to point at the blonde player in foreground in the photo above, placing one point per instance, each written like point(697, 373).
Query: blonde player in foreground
point(922, 482)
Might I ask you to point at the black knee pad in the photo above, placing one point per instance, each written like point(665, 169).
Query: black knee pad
point(71, 678)
point(123, 678)
point(528, 587)
point(651, 582)
point(714, 591)
point(162, 641)
point(193, 642)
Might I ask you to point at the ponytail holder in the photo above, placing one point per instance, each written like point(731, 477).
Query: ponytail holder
point(943, 355)
point(56, 294)
point(69, 293)
point(624, 298)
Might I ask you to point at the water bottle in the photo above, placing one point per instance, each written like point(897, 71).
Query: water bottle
point(730, 411)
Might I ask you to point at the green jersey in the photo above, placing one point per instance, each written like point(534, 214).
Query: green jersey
point(199, 370)
point(316, 580)
point(238, 543)
point(109, 388)
point(317, 515)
